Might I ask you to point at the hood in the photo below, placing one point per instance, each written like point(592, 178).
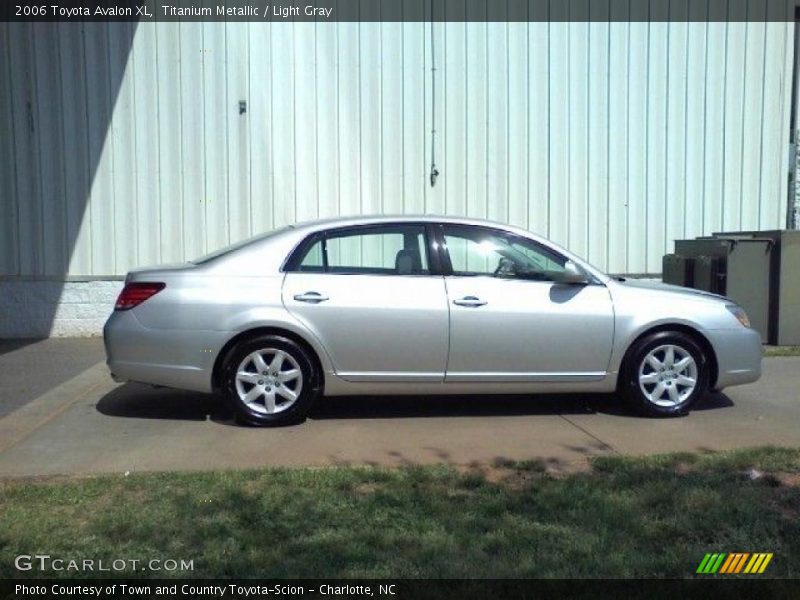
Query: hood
point(666, 287)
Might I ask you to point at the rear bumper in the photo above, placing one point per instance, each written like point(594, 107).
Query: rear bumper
point(172, 358)
point(739, 355)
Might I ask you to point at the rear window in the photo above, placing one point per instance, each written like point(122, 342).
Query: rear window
point(238, 245)
point(382, 250)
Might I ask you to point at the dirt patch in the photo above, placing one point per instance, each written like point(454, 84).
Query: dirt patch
point(11, 482)
point(519, 480)
point(366, 489)
point(791, 480)
point(488, 471)
point(516, 478)
point(790, 514)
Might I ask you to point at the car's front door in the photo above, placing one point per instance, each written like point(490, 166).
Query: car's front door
point(511, 319)
point(369, 295)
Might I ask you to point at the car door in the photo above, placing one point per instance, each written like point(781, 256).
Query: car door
point(370, 296)
point(511, 319)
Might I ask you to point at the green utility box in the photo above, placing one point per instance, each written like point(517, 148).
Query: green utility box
point(747, 281)
point(709, 258)
point(709, 274)
point(784, 276)
point(677, 270)
point(735, 266)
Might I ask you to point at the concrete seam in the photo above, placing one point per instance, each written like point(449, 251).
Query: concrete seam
point(591, 435)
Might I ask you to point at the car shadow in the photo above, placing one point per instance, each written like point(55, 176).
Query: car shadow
point(133, 400)
point(388, 407)
point(392, 407)
point(140, 401)
point(614, 406)
point(714, 401)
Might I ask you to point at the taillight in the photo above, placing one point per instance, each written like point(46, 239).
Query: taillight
point(133, 294)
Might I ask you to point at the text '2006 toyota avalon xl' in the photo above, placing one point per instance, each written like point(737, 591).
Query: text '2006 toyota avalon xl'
point(419, 305)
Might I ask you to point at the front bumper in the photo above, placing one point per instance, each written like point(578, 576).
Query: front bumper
point(739, 355)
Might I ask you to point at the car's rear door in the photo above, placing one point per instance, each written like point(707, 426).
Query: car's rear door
point(370, 295)
point(506, 325)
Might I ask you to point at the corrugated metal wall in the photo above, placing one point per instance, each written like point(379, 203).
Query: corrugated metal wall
point(125, 145)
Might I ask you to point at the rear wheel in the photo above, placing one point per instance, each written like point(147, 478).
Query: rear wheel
point(665, 374)
point(269, 380)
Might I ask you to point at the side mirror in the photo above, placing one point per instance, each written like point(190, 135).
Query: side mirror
point(573, 274)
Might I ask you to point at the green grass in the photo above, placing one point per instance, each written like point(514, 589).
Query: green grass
point(625, 517)
point(781, 350)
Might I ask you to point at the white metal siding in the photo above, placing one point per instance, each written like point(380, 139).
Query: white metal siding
point(123, 145)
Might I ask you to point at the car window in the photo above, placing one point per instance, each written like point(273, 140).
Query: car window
point(389, 250)
point(476, 251)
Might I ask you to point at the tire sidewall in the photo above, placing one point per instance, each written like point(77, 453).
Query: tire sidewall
point(636, 356)
point(295, 413)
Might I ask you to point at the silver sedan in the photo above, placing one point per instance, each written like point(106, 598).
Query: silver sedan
point(419, 305)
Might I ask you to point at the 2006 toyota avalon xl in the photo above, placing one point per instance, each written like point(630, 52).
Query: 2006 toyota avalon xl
point(419, 305)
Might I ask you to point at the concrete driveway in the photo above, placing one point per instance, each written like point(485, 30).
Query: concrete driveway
point(88, 424)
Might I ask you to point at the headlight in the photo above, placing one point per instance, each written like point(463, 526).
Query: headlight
point(738, 312)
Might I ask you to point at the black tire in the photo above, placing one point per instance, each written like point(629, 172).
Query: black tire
point(632, 389)
point(252, 413)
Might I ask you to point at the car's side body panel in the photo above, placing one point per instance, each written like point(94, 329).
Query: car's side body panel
point(641, 307)
point(375, 327)
point(179, 358)
point(528, 331)
point(175, 337)
point(335, 386)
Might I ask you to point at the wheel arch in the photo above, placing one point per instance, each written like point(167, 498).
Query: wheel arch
point(216, 373)
point(693, 333)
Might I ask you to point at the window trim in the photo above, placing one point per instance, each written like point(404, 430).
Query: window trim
point(448, 265)
point(296, 256)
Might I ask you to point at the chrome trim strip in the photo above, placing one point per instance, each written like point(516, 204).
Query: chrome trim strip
point(523, 377)
point(392, 376)
point(400, 377)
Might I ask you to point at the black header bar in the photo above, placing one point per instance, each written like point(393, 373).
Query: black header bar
point(398, 10)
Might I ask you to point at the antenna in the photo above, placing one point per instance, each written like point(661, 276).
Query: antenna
point(434, 170)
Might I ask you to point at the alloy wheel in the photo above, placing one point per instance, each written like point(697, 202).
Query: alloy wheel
point(269, 381)
point(668, 375)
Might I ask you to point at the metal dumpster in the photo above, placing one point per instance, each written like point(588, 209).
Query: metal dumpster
point(784, 273)
point(677, 270)
point(735, 266)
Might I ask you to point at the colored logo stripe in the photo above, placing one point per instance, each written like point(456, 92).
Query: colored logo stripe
point(711, 563)
point(734, 562)
point(758, 563)
point(727, 564)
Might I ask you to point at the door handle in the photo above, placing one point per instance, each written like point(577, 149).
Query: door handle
point(469, 301)
point(312, 297)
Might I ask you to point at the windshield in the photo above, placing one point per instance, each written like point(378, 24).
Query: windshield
point(233, 247)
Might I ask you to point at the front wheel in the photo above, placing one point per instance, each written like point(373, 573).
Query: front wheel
point(269, 380)
point(665, 374)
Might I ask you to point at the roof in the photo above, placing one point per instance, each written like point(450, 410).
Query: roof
point(367, 219)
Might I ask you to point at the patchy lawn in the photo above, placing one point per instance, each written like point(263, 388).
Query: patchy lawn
point(781, 350)
point(623, 517)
